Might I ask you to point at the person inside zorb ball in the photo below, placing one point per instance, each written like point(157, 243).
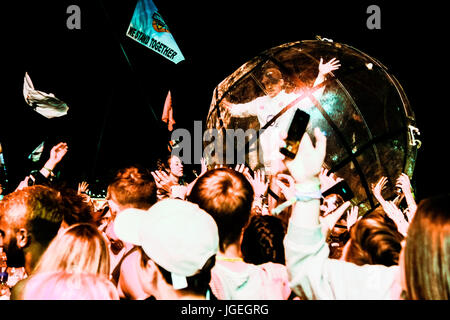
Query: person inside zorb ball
point(271, 111)
point(361, 108)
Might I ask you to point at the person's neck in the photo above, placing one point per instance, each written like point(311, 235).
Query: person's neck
point(32, 255)
point(167, 292)
point(232, 251)
point(174, 178)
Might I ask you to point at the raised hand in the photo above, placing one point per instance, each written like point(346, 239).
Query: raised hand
point(381, 184)
point(58, 152)
point(258, 182)
point(325, 68)
point(83, 187)
point(404, 183)
point(397, 216)
point(23, 183)
point(327, 181)
point(163, 181)
point(309, 159)
point(352, 217)
point(241, 168)
point(288, 188)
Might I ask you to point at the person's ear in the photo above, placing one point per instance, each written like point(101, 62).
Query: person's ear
point(151, 267)
point(23, 238)
point(113, 207)
point(150, 272)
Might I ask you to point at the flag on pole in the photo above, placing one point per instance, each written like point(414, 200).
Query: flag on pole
point(43, 103)
point(149, 29)
point(167, 115)
point(36, 154)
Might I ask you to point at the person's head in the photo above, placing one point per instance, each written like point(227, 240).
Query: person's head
point(263, 240)
point(227, 196)
point(64, 285)
point(132, 187)
point(30, 219)
point(374, 240)
point(79, 249)
point(178, 243)
point(426, 260)
point(272, 79)
point(331, 203)
point(173, 166)
point(76, 208)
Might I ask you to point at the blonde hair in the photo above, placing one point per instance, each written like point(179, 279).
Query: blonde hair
point(427, 261)
point(79, 249)
point(69, 286)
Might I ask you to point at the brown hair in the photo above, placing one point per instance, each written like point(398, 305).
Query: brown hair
point(427, 264)
point(227, 196)
point(133, 187)
point(374, 240)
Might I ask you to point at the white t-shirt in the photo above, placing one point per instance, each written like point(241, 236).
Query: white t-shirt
point(265, 108)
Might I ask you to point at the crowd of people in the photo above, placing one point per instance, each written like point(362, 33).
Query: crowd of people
point(156, 236)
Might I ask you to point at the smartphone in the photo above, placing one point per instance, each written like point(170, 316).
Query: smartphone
point(296, 130)
point(341, 188)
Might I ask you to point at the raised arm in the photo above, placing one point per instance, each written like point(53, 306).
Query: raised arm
point(378, 188)
point(56, 154)
point(326, 68)
point(312, 275)
point(404, 183)
point(242, 109)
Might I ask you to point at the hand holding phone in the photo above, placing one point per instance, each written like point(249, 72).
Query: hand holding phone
point(296, 130)
point(341, 188)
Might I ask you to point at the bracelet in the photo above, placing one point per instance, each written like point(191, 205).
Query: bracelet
point(49, 170)
point(308, 187)
point(304, 192)
point(299, 197)
point(308, 196)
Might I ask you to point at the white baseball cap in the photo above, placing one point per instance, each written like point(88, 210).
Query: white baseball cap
point(176, 234)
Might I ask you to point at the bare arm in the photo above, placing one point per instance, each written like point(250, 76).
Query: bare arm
point(326, 68)
point(56, 154)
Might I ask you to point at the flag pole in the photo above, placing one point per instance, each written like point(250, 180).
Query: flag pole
point(97, 153)
point(127, 59)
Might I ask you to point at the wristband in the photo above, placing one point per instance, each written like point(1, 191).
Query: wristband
point(308, 196)
point(308, 187)
point(299, 197)
point(49, 170)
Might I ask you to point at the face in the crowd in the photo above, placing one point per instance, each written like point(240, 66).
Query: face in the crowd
point(176, 167)
point(329, 204)
point(273, 88)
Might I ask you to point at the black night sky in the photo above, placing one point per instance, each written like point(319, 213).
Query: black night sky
point(110, 123)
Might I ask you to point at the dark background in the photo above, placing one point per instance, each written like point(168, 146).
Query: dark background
point(111, 124)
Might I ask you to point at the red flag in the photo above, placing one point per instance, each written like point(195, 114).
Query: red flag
point(167, 115)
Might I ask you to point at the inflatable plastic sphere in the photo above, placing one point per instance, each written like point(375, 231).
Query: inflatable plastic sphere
point(363, 111)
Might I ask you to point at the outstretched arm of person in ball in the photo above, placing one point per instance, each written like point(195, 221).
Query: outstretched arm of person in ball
point(326, 68)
